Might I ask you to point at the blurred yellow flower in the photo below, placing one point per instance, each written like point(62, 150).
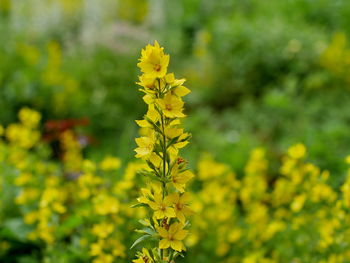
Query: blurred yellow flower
point(110, 163)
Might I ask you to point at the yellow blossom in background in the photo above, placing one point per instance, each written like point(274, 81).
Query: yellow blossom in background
point(110, 163)
point(297, 151)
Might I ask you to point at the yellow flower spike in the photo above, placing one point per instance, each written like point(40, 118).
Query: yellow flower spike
point(172, 237)
point(159, 145)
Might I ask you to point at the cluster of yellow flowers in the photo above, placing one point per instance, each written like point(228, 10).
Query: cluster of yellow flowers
point(262, 217)
point(77, 201)
point(167, 175)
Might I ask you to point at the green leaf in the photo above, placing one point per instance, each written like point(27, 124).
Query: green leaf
point(144, 222)
point(138, 205)
point(139, 240)
point(146, 230)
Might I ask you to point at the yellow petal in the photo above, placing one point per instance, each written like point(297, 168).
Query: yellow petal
point(181, 234)
point(176, 245)
point(148, 99)
point(142, 123)
point(162, 232)
point(181, 91)
point(164, 243)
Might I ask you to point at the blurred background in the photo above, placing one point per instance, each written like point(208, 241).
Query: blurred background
point(262, 73)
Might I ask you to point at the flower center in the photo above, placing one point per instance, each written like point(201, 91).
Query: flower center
point(179, 206)
point(162, 207)
point(168, 107)
point(157, 67)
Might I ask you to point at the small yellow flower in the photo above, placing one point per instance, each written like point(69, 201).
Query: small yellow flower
point(180, 179)
point(103, 258)
point(172, 106)
point(29, 118)
point(110, 163)
point(162, 207)
point(143, 257)
point(347, 159)
point(297, 151)
point(146, 145)
point(181, 206)
point(172, 237)
point(96, 248)
point(102, 230)
point(148, 83)
point(153, 62)
point(104, 204)
point(152, 114)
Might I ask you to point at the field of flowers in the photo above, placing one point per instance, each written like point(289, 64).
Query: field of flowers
point(187, 131)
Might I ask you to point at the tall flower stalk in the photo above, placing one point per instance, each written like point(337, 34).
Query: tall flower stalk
point(161, 139)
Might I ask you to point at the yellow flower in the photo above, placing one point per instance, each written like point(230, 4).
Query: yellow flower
point(297, 151)
point(152, 114)
point(103, 258)
point(180, 206)
point(171, 106)
point(153, 61)
point(102, 230)
point(148, 193)
point(162, 207)
point(104, 204)
point(110, 163)
point(96, 248)
point(172, 237)
point(180, 179)
point(29, 118)
point(23, 179)
point(347, 159)
point(146, 145)
point(176, 84)
point(143, 257)
point(148, 83)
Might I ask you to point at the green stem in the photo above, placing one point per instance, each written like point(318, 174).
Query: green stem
point(171, 256)
point(164, 155)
